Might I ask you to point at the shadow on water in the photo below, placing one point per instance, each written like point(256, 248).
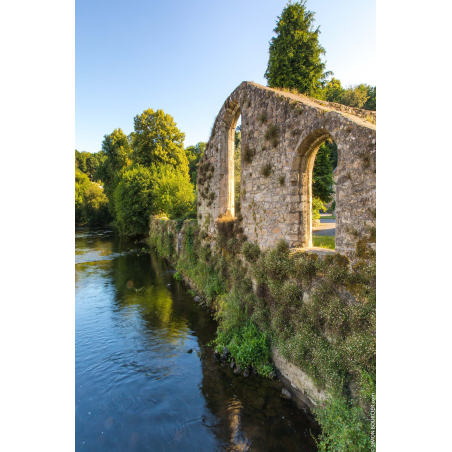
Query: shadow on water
point(138, 389)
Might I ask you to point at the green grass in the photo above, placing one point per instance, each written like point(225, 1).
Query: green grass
point(327, 217)
point(324, 241)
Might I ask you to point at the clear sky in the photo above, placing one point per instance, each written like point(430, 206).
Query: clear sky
point(186, 57)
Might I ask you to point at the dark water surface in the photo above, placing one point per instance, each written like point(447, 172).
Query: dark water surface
point(137, 388)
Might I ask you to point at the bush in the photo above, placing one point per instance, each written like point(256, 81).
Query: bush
point(272, 135)
point(317, 205)
point(266, 170)
point(82, 183)
point(345, 427)
point(160, 189)
point(251, 251)
point(133, 200)
point(172, 192)
point(95, 206)
point(248, 346)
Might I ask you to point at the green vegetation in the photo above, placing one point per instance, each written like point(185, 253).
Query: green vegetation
point(88, 163)
point(324, 241)
point(272, 135)
point(295, 63)
point(322, 175)
point(157, 140)
point(144, 173)
point(360, 96)
point(317, 206)
point(328, 337)
point(194, 154)
point(266, 170)
point(295, 52)
point(91, 204)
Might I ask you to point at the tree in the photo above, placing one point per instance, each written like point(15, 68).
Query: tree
point(82, 183)
point(194, 154)
point(333, 91)
point(133, 200)
point(371, 103)
point(322, 175)
point(317, 206)
point(143, 191)
point(295, 52)
point(355, 96)
point(116, 153)
point(95, 206)
point(156, 139)
point(172, 192)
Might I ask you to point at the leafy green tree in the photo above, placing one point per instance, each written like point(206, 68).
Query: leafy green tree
point(156, 139)
point(80, 161)
point(317, 206)
point(172, 192)
point(355, 96)
point(95, 206)
point(116, 157)
point(322, 175)
point(333, 91)
point(82, 183)
point(133, 200)
point(143, 191)
point(295, 52)
point(371, 102)
point(194, 154)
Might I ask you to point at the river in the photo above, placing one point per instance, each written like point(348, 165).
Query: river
point(137, 388)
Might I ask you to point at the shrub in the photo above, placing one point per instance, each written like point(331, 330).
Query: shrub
point(272, 135)
point(160, 189)
point(133, 200)
point(248, 345)
point(248, 154)
point(262, 118)
point(345, 427)
point(251, 251)
point(95, 206)
point(266, 170)
point(317, 205)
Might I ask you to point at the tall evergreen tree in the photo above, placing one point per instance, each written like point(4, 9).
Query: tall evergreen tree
point(295, 52)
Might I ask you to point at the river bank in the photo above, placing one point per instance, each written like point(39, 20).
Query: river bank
point(312, 314)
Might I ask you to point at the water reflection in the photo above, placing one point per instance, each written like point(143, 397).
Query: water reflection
point(137, 388)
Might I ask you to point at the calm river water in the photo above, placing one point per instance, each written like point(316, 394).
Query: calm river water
point(137, 388)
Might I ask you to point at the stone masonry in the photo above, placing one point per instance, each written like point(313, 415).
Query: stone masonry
point(281, 133)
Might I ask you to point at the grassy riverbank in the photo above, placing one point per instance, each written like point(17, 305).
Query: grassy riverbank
point(331, 337)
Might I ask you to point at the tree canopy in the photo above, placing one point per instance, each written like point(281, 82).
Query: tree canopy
point(156, 139)
point(295, 53)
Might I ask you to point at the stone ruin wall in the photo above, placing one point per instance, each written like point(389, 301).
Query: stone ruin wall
point(279, 206)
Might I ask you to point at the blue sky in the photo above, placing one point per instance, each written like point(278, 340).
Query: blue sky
point(187, 57)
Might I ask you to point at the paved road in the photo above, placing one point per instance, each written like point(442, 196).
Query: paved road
point(327, 227)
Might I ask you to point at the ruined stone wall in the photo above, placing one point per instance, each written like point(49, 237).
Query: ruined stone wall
point(281, 133)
